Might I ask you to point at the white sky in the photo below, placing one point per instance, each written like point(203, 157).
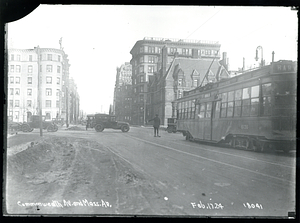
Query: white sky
point(98, 39)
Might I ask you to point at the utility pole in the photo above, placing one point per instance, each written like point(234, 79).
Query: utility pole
point(40, 92)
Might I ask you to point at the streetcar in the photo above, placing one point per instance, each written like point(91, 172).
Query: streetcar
point(255, 110)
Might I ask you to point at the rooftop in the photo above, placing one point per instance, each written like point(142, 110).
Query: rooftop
point(181, 40)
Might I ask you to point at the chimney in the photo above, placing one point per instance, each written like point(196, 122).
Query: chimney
point(244, 64)
point(273, 56)
point(164, 53)
point(224, 60)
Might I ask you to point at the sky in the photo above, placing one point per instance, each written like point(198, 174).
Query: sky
point(98, 38)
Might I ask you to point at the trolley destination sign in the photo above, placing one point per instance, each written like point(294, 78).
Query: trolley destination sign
point(284, 67)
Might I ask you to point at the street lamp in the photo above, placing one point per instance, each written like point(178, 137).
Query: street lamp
point(256, 57)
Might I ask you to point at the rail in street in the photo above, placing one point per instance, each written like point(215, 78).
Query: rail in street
point(172, 176)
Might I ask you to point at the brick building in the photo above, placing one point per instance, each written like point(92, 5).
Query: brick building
point(181, 75)
point(147, 60)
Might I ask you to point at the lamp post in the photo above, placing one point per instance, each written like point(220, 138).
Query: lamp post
point(40, 104)
point(256, 57)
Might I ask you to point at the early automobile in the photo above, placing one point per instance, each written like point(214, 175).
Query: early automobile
point(14, 127)
point(102, 121)
point(171, 125)
point(35, 123)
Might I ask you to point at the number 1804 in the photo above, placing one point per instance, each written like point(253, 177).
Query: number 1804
point(252, 206)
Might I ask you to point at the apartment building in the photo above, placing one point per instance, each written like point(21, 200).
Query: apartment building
point(29, 70)
point(122, 105)
point(147, 59)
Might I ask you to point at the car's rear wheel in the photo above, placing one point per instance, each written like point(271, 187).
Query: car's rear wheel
point(125, 128)
point(55, 128)
point(25, 128)
point(99, 128)
point(50, 128)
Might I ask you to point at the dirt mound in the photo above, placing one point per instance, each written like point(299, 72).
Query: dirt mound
point(42, 161)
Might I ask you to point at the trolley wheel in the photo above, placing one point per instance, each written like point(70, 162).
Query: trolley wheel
point(232, 142)
point(99, 128)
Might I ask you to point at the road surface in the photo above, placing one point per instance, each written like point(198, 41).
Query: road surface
point(168, 175)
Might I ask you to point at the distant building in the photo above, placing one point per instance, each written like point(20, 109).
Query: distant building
point(147, 60)
point(122, 106)
point(183, 74)
point(27, 68)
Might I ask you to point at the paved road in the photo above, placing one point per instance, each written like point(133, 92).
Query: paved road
point(204, 180)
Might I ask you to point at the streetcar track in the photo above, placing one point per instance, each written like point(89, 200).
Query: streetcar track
point(229, 154)
point(276, 164)
point(215, 161)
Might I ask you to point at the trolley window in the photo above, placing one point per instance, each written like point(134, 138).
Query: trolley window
point(266, 99)
point(217, 113)
point(202, 111)
point(254, 100)
point(285, 98)
point(246, 102)
point(193, 109)
point(238, 103)
point(224, 105)
point(208, 110)
point(230, 104)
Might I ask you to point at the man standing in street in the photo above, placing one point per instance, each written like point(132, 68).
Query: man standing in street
point(156, 123)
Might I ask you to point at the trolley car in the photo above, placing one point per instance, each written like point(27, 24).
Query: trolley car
point(255, 110)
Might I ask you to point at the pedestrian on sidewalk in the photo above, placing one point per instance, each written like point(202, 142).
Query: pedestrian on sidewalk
point(156, 123)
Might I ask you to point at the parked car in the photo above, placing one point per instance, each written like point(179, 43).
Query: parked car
point(35, 123)
point(14, 127)
point(103, 121)
point(171, 125)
